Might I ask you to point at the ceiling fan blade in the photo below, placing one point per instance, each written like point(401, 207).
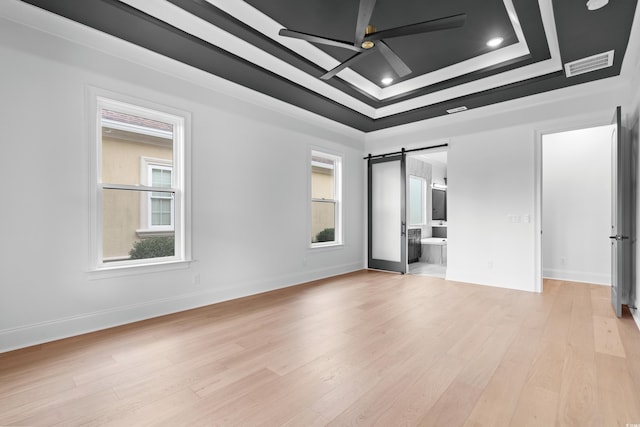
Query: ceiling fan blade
point(355, 58)
point(453, 21)
point(393, 59)
point(364, 17)
point(320, 40)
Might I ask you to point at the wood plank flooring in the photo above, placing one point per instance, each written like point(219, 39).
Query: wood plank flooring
point(368, 348)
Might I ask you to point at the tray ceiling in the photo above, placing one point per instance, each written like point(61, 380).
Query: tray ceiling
point(453, 68)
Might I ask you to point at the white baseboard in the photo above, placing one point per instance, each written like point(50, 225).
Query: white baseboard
point(636, 316)
point(577, 276)
point(636, 312)
point(52, 330)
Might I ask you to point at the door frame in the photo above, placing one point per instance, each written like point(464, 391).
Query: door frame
point(601, 119)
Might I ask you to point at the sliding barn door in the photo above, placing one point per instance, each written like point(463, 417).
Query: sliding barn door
point(387, 213)
point(620, 216)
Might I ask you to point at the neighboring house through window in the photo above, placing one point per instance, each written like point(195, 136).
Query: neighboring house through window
point(326, 199)
point(139, 204)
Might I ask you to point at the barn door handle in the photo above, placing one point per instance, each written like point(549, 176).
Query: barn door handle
point(618, 237)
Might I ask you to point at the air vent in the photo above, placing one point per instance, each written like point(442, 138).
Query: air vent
point(591, 63)
point(457, 109)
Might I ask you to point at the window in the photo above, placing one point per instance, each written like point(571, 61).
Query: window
point(158, 207)
point(417, 192)
point(326, 190)
point(161, 203)
point(139, 207)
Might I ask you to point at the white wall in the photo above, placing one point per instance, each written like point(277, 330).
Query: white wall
point(490, 181)
point(487, 175)
point(417, 167)
point(492, 176)
point(249, 178)
point(576, 205)
point(439, 172)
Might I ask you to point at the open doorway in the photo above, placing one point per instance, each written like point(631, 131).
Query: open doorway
point(427, 213)
point(576, 205)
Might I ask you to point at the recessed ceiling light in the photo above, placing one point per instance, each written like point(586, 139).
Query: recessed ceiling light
point(387, 81)
point(494, 42)
point(596, 4)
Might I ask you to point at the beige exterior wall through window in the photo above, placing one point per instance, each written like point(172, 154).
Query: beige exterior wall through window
point(122, 154)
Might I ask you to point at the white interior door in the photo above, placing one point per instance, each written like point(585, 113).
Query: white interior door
point(387, 213)
point(620, 216)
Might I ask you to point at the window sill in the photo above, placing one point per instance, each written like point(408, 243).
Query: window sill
point(150, 232)
point(332, 245)
point(137, 269)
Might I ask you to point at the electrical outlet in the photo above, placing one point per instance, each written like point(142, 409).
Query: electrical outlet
point(196, 279)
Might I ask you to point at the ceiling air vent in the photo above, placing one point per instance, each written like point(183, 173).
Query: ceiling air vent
point(591, 63)
point(457, 109)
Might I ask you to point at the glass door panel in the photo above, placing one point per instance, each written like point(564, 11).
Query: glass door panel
point(387, 204)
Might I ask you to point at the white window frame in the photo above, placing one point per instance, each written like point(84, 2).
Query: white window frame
point(181, 121)
point(337, 182)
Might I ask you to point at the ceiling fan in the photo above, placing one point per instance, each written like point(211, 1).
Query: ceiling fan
point(368, 39)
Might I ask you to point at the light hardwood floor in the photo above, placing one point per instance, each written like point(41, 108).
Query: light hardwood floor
point(368, 348)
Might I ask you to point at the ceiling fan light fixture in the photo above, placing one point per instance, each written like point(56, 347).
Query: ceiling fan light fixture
point(495, 42)
point(386, 81)
point(367, 44)
point(368, 40)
